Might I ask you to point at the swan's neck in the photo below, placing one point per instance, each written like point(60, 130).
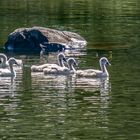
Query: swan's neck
point(4, 60)
point(71, 67)
point(61, 63)
point(104, 69)
point(12, 70)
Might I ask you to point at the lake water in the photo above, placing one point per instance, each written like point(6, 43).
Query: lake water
point(38, 107)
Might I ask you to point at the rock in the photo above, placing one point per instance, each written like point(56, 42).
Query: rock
point(31, 39)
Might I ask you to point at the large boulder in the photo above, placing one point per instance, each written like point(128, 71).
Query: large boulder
point(32, 39)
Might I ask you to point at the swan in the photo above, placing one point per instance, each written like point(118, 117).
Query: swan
point(60, 57)
point(9, 72)
point(95, 73)
point(4, 61)
point(71, 63)
point(62, 70)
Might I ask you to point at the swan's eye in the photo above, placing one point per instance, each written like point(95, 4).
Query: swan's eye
point(64, 59)
point(75, 64)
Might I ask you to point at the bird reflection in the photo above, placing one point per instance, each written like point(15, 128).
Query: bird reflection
point(93, 84)
point(97, 93)
point(100, 99)
point(7, 86)
point(70, 83)
point(60, 95)
point(60, 83)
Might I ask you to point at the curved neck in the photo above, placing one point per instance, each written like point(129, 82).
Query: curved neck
point(71, 67)
point(104, 69)
point(60, 62)
point(11, 69)
point(4, 60)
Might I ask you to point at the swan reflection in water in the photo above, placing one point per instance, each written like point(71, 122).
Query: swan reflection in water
point(9, 83)
point(9, 97)
point(93, 84)
point(55, 90)
point(51, 57)
point(63, 83)
point(100, 99)
point(59, 83)
point(61, 93)
point(9, 86)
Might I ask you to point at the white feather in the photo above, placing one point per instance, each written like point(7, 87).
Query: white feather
point(95, 73)
point(4, 61)
point(5, 72)
point(62, 70)
point(39, 68)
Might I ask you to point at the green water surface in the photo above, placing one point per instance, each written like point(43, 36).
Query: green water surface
point(38, 107)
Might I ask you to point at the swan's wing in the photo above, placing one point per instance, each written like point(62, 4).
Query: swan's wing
point(55, 66)
point(49, 70)
point(38, 68)
point(4, 72)
point(35, 68)
point(56, 70)
point(88, 73)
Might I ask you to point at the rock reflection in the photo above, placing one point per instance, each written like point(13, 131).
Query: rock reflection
point(51, 57)
point(75, 52)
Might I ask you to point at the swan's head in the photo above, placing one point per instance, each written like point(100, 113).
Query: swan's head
point(3, 56)
point(104, 61)
point(12, 61)
point(72, 62)
point(61, 57)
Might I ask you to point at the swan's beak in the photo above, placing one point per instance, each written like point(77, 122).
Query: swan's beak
point(75, 63)
point(17, 64)
point(109, 63)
